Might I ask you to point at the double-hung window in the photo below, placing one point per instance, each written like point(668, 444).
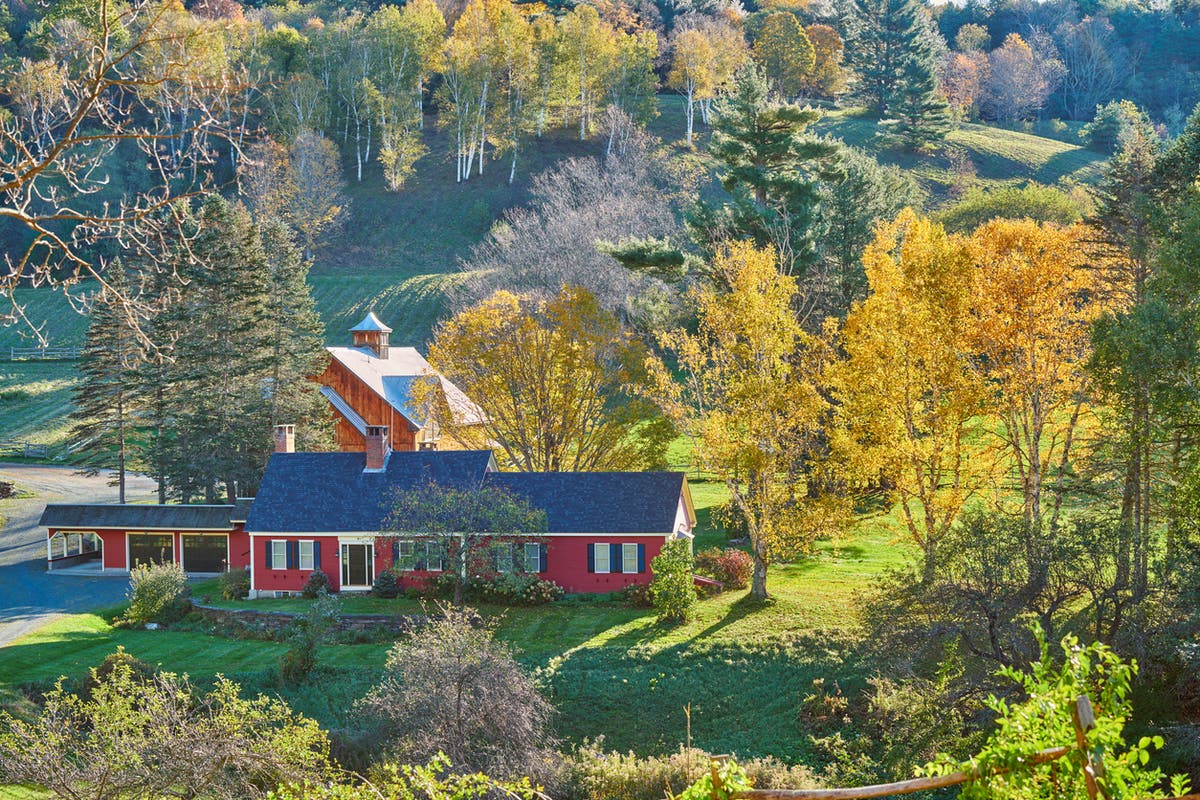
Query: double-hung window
point(502, 557)
point(533, 558)
point(602, 558)
point(278, 554)
point(307, 558)
point(629, 557)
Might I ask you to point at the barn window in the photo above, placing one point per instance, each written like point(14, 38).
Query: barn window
point(307, 560)
point(58, 546)
point(278, 554)
point(74, 544)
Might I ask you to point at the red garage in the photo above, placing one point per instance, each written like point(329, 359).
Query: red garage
point(201, 539)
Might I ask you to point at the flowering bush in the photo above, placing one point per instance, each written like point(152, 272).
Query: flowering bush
point(637, 595)
point(729, 566)
point(501, 589)
point(515, 589)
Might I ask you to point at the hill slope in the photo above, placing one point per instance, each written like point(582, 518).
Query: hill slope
point(397, 251)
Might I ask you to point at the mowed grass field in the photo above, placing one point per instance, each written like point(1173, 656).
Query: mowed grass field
point(610, 670)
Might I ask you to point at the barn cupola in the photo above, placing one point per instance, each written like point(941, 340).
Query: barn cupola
point(372, 334)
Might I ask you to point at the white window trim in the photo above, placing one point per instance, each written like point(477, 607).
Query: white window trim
point(626, 549)
point(406, 562)
point(536, 557)
point(274, 554)
point(311, 545)
point(597, 549)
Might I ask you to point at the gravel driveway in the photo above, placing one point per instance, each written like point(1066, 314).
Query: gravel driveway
point(29, 595)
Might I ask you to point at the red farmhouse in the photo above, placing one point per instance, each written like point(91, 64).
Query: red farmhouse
point(325, 511)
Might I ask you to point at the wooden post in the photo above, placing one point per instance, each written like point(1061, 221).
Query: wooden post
point(1093, 767)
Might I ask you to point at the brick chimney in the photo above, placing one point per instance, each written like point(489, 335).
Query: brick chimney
point(378, 447)
point(285, 438)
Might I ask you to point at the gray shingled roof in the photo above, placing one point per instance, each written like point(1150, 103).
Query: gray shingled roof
point(600, 502)
point(138, 517)
point(329, 492)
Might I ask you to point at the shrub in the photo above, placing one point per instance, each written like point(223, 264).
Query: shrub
point(1033, 201)
point(308, 632)
point(452, 688)
point(317, 583)
point(386, 585)
point(157, 593)
point(137, 670)
point(235, 584)
point(513, 589)
point(1112, 122)
point(594, 774)
point(672, 590)
point(637, 595)
point(730, 566)
point(730, 519)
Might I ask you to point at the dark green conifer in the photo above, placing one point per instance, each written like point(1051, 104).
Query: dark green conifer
point(106, 401)
point(769, 167)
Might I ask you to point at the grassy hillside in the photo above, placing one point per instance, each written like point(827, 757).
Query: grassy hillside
point(35, 399)
point(398, 252)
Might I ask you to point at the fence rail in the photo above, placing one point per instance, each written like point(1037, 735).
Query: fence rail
point(64, 353)
point(1092, 764)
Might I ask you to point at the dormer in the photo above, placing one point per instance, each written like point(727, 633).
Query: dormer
point(372, 334)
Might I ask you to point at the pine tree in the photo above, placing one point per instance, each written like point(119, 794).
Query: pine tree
point(770, 169)
point(105, 401)
point(921, 111)
point(220, 427)
point(850, 209)
point(878, 33)
point(294, 336)
point(894, 50)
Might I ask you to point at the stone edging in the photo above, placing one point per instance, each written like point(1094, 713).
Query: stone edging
point(278, 620)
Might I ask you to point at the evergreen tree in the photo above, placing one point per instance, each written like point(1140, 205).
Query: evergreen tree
point(295, 338)
point(868, 193)
point(770, 168)
point(1179, 165)
point(921, 111)
point(878, 34)
point(105, 401)
point(220, 427)
point(894, 51)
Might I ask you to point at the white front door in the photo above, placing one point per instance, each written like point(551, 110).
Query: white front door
point(357, 566)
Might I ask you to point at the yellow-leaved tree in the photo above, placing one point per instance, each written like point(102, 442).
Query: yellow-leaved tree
point(560, 384)
point(749, 401)
point(1035, 301)
point(909, 402)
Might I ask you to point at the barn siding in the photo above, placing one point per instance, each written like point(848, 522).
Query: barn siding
point(370, 406)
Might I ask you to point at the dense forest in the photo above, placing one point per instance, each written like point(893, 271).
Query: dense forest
point(751, 241)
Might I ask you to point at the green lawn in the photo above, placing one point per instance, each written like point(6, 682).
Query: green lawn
point(610, 670)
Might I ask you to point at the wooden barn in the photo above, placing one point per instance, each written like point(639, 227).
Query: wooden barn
point(372, 384)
